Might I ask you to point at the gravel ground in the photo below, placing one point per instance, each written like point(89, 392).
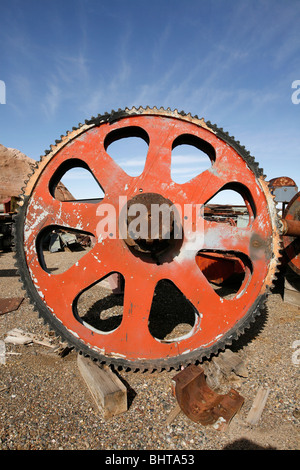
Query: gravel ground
point(45, 404)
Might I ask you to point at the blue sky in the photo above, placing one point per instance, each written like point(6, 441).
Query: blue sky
point(231, 62)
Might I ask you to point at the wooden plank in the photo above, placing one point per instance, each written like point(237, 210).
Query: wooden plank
point(106, 388)
point(291, 296)
point(258, 406)
point(18, 336)
point(2, 353)
point(173, 413)
point(228, 362)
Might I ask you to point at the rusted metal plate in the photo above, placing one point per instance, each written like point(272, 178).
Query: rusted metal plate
point(281, 181)
point(202, 404)
point(219, 267)
point(9, 305)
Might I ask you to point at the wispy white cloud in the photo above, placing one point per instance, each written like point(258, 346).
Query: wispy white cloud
point(70, 68)
point(52, 99)
point(68, 78)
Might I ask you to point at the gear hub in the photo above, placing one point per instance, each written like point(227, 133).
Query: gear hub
point(157, 227)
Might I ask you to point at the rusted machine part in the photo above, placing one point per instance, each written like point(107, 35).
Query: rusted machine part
point(291, 228)
point(291, 234)
point(202, 404)
point(8, 208)
point(217, 320)
point(219, 267)
point(283, 188)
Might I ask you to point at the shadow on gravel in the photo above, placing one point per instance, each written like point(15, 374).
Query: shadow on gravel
point(245, 444)
point(8, 272)
point(252, 332)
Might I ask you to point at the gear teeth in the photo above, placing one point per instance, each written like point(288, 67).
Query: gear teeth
point(245, 154)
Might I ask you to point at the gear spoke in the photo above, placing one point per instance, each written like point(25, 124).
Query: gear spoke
point(213, 311)
point(137, 305)
point(111, 177)
point(63, 288)
point(158, 161)
point(73, 215)
point(89, 148)
point(85, 272)
point(204, 186)
point(194, 285)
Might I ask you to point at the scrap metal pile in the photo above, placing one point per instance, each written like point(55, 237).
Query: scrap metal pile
point(7, 210)
point(196, 252)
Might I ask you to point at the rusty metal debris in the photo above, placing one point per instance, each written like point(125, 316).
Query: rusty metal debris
point(227, 213)
point(291, 228)
point(10, 304)
point(291, 252)
point(7, 210)
point(291, 233)
point(202, 404)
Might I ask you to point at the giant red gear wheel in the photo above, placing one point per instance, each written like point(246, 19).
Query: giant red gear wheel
point(218, 321)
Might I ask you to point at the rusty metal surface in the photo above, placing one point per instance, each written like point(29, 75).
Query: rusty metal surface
point(10, 304)
point(202, 404)
point(219, 267)
point(159, 237)
point(291, 230)
point(282, 181)
point(217, 320)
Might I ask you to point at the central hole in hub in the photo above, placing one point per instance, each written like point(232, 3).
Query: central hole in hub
point(152, 224)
